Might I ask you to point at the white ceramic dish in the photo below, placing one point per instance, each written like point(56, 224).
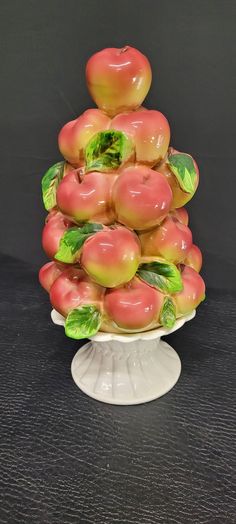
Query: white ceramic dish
point(126, 369)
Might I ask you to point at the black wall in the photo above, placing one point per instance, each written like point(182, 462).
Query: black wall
point(44, 47)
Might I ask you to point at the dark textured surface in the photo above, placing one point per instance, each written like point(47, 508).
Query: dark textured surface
point(66, 459)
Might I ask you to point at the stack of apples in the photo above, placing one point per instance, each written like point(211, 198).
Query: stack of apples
point(122, 254)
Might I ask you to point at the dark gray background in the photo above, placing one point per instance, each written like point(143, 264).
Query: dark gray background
point(44, 49)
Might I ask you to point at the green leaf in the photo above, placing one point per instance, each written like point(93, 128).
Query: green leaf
point(107, 150)
point(83, 322)
point(50, 183)
point(183, 168)
point(168, 313)
point(162, 275)
point(72, 241)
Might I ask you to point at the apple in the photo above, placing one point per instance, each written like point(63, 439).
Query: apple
point(134, 306)
point(55, 227)
point(72, 289)
point(172, 240)
point(75, 135)
point(193, 291)
point(180, 197)
point(88, 197)
point(118, 79)
point(181, 214)
point(142, 197)
point(194, 258)
point(49, 273)
point(150, 132)
point(111, 257)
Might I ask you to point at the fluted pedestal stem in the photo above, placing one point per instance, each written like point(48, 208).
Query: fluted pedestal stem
point(130, 373)
point(126, 368)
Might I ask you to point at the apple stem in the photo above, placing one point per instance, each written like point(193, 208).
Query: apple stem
point(124, 49)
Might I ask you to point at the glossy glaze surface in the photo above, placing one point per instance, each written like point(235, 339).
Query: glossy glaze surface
point(118, 79)
point(194, 258)
point(180, 197)
point(193, 291)
point(49, 273)
point(150, 131)
point(75, 135)
point(116, 215)
point(133, 306)
point(181, 214)
point(88, 197)
point(142, 197)
point(111, 257)
point(55, 227)
point(72, 289)
point(171, 240)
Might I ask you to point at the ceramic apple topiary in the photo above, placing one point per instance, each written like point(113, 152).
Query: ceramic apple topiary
point(122, 254)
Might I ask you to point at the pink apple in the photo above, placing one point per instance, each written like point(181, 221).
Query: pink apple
point(118, 79)
point(75, 135)
point(193, 291)
point(171, 240)
point(55, 227)
point(72, 289)
point(194, 258)
point(181, 214)
point(135, 306)
point(150, 132)
point(142, 197)
point(49, 273)
point(180, 198)
point(111, 257)
point(86, 198)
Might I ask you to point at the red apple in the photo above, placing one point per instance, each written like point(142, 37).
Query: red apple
point(118, 79)
point(181, 214)
point(171, 240)
point(72, 289)
point(180, 198)
point(111, 257)
point(135, 306)
point(142, 197)
point(75, 135)
point(193, 291)
point(194, 258)
point(55, 227)
point(87, 198)
point(150, 132)
point(49, 273)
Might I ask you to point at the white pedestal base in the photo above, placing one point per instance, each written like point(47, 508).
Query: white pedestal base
point(126, 369)
point(131, 373)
